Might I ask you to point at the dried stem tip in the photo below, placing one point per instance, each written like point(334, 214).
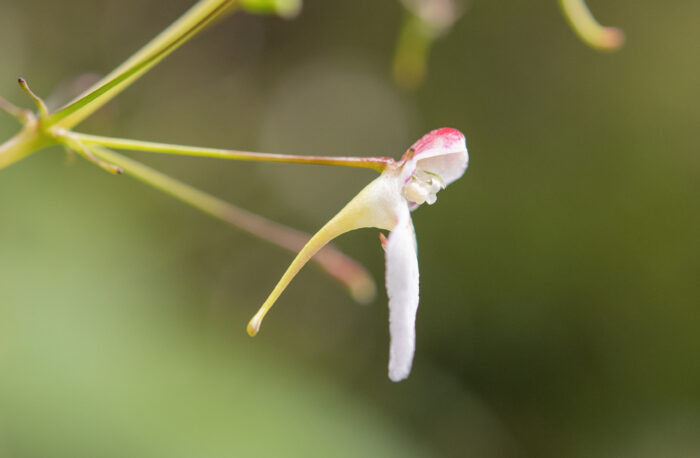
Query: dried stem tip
point(43, 110)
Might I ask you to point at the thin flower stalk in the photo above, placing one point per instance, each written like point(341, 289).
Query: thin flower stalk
point(346, 270)
point(374, 163)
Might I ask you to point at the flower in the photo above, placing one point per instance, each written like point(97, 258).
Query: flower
point(432, 163)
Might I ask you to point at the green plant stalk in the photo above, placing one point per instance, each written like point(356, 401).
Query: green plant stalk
point(588, 29)
point(37, 135)
point(193, 21)
point(24, 143)
point(374, 163)
point(343, 268)
point(46, 129)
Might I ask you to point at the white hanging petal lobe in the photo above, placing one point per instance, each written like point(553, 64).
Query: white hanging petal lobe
point(402, 289)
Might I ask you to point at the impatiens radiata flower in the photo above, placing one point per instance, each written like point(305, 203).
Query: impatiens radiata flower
point(432, 163)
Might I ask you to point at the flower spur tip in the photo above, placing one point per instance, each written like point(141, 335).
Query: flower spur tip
point(254, 325)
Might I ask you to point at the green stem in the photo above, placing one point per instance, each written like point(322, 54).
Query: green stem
point(27, 141)
point(588, 29)
point(193, 21)
point(344, 269)
point(375, 163)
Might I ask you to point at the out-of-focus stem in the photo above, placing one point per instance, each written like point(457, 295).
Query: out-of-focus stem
point(375, 163)
point(75, 145)
point(411, 56)
point(194, 20)
point(588, 29)
point(16, 112)
point(285, 8)
point(335, 263)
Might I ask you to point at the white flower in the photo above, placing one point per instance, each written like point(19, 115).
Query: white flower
point(432, 163)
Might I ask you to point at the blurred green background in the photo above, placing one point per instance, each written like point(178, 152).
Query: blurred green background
point(560, 295)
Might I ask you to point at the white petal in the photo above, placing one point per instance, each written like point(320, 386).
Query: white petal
point(402, 289)
point(442, 152)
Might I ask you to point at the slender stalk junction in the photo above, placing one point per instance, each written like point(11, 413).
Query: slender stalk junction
point(44, 129)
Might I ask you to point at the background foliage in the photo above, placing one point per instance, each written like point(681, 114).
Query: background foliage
point(560, 287)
